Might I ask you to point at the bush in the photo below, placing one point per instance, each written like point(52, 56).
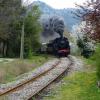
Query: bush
point(80, 43)
point(86, 47)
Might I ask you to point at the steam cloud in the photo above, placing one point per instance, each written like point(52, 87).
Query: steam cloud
point(52, 25)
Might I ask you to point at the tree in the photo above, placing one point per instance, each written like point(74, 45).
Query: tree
point(12, 17)
point(10, 11)
point(32, 30)
point(90, 12)
point(22, 43)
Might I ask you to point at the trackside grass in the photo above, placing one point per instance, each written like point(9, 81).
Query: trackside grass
point(78, 86)
point(11, 68)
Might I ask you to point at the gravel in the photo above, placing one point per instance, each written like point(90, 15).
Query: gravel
point(37, 85)
point(28, 76)
point(34, 87)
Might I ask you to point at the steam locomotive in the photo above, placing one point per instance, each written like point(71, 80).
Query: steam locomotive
point(59, 47)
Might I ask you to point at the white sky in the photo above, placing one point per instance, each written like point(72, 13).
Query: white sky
point(59, 3)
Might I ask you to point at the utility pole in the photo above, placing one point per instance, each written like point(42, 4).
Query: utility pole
point(22, 43)
point(23, 31)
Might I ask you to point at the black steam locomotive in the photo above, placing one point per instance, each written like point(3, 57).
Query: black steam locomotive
point(59, 47)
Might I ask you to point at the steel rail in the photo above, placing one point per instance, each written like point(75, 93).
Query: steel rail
point(27, 81)
point(21, 86)
point(42, 88)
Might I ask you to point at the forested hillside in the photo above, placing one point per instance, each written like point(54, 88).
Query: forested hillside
point(65, 13)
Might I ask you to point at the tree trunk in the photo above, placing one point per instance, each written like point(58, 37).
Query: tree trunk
point(1, 49)
point(22, 43)
point(5, 49)
point(98, 84)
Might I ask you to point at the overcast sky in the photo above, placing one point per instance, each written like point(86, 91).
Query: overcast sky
point(59, 3)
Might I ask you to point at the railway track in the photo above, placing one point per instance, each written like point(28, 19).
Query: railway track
point(30, 87)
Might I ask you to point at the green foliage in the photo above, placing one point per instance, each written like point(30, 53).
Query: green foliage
point(10, 27)
point(86, 46)
point(13, 16)
point(30, 55)
point(9, 12)
point(32, 30)
point(14, 47)
point(80, 43)
point(95, 60)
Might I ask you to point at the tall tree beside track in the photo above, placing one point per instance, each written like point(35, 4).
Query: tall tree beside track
point(90, 13)
point(32, 30)
point(10, 11)
point(12, 16)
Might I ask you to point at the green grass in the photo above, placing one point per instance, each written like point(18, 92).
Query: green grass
point(9, 70)
point(78, 86)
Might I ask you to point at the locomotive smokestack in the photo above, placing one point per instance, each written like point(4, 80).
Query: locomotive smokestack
point(61, 35)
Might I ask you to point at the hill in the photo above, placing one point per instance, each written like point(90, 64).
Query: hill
point(65, 13)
